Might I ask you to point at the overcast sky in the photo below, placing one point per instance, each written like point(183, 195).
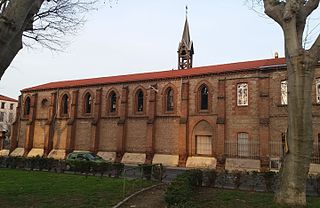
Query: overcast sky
point(143, 35)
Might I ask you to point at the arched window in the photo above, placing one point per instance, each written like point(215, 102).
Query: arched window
point(113, 102)
point(27, 106)
point(65, 104)
point(204, 94)
point(169, 100)
point(87, 103)
point(139, 101)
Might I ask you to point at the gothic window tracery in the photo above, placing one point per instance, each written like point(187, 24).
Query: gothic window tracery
point(27, 106)
point(139, 100)
point(204, 94)
point(169, 100)
point(88, 103)
point(113, 102)
point(65, 104)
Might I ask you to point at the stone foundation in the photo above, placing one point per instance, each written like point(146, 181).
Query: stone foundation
point(166, 160)
point(17, 152)
point(4, 152)
point(109, 156)
point(35, 152)
point(133, 158)
point(233, 164)
point(57, 154)
point(201, 162)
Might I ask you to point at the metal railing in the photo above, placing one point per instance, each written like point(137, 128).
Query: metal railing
point(139, 175)
point(250, 149)
point(277, 151)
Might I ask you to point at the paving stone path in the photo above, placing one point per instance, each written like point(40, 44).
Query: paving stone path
point(153, 198)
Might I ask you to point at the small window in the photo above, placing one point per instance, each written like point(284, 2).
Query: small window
point(3, 104)
point(2, 114)
point(169, 100)
point(11, 106)
point(44, 103)
point(88, 103)
point(318, 90)
point(204, 97)
point(65, 104)
point(140, 101)
point(113, 102)
point(243, 145)
point(242, 94)
point(27, 106)
point(204, 145)
point(284, 92)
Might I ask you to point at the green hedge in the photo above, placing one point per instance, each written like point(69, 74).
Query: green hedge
point(182, 188)
point(50, 164)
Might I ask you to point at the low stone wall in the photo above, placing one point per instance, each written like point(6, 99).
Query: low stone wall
point(133, 158)
point(239, 164)
point(252, 181)
point(109, 156)
point(4, 152)
point(201, 162)
point(166, 160)
point(35, 152)
point(58, 154)
point(17, 152)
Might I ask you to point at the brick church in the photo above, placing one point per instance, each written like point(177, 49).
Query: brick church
point(231, 116)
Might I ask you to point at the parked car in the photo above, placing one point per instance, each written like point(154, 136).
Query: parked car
point(82, 156)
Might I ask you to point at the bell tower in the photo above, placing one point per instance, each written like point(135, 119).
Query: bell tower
point(185, 50)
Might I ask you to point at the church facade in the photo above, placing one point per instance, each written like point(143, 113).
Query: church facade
point(232, 116)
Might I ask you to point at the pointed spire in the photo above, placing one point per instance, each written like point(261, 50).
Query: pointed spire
point(186, 33)
point(185, 50)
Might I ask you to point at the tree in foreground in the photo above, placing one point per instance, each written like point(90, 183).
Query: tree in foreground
point(43, 21)
point(292, 17)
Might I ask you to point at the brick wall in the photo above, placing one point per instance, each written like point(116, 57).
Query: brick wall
point(156, 131)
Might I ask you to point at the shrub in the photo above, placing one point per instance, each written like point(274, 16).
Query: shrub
point(146, 171)
point(117, 168)
point(182, 188)
point(210, 176)
point(269, 179)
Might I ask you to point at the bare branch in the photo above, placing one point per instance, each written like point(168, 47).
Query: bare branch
point(310, 6)
point(56, 19)
point(314, 51)
point(274, 9)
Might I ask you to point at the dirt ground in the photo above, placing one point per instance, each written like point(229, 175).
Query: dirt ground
point(153, 198)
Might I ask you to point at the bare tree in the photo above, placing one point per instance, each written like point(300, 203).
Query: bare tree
point(292, 16)
point(43, 21)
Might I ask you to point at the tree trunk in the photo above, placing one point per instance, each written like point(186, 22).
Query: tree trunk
point(13, 21)
point(295, 168)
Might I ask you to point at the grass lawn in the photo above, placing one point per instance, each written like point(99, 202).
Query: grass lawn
point(20, 188)
point(210, 197)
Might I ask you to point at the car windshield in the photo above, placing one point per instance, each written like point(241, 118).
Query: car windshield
point(93, 156)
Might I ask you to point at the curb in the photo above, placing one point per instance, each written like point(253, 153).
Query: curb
point(136, 193)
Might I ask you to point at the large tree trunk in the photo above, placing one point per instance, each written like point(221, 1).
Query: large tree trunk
point(13, 21)
point(294, 172)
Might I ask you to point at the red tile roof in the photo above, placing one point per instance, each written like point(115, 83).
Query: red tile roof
point(5, 98)
point(233, 67)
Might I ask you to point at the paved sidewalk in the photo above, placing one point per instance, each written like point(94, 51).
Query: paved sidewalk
point(152, 198)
